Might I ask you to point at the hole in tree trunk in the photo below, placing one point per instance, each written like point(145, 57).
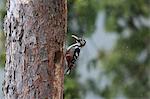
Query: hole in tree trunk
point(57, 57)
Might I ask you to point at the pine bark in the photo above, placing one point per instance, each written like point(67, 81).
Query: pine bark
point(35, 35)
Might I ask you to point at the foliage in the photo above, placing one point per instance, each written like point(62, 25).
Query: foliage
point(129, 63)
point(127, 66)
point(2, 37)
point(81, 16)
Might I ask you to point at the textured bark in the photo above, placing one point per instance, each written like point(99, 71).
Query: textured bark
point(35, 31)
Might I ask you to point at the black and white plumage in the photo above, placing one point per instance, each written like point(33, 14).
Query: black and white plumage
point(73, 53)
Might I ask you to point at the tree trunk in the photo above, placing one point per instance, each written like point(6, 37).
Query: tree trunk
point(35, 32)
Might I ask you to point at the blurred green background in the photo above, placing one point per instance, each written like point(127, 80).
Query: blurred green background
point(115, 63)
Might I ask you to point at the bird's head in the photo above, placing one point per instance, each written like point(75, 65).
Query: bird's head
point(79, 40)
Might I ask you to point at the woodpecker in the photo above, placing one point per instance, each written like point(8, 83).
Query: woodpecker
point(73, 52)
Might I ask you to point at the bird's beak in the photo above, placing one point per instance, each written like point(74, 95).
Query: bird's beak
point(75, 37)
